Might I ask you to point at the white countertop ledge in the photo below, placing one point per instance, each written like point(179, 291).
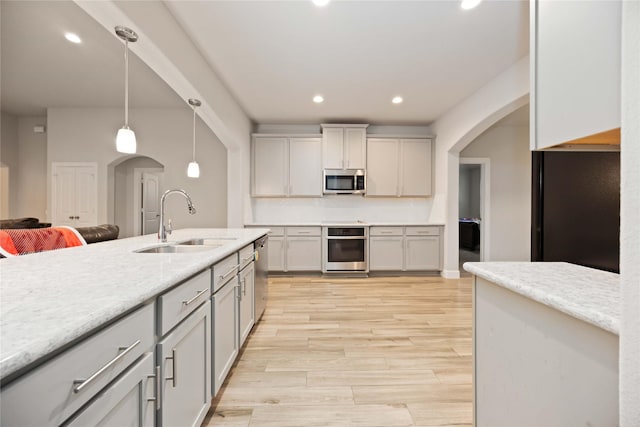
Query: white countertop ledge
point(50, 299)
point(584, 293)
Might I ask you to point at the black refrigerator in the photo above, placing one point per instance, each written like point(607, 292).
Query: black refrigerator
point(576, 208)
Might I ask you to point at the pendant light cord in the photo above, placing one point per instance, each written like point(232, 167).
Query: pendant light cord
point(194, 133)
point(126, 83)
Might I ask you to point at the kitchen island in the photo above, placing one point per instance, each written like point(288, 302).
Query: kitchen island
point(545, 344)
point(52, 303)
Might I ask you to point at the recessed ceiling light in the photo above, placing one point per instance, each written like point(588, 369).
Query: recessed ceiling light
point(73, 38)
point(318, 99)
point(469, 4)
point(321, 2)
point(397, 100)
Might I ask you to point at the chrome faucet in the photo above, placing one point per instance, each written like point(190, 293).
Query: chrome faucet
point(164, 230)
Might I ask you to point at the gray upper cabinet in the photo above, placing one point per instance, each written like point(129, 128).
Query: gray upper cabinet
point(575, 71)
point(286, 166)
point(344, 146)
point(399, 167)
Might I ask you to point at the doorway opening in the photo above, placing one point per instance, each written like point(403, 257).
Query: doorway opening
point(473, 211)
point(137, 183)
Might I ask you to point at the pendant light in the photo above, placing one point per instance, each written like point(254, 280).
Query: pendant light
point(126, 138)
point(193, 170)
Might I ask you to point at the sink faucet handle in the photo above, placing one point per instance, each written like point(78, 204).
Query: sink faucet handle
point(169, 228)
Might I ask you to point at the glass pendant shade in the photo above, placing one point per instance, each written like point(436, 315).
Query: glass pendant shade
point(193, 170)
point(126, 141)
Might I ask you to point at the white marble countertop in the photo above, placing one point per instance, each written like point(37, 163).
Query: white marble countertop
point(50, 299)
point(584, 293)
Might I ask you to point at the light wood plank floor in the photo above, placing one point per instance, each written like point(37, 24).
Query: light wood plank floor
point(354, 352)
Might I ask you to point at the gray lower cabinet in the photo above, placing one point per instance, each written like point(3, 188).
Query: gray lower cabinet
point(225, 331)
point(386, 253)
point(304, 253)
point(246, 297)
point(184, 356)
point(129, 401)
point(410, 248)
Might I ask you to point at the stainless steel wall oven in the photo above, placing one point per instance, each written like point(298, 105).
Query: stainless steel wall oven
point(345, 248)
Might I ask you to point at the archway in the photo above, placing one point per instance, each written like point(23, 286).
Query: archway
point(125, 181)
point(455, 130)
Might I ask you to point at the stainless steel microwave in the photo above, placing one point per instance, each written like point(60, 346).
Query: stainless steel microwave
point(344, 181)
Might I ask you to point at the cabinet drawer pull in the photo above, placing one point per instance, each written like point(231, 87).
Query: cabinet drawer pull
point(199, 294)
point(249, 258)
point(83, 383)
point(386, 232)
point(156, 378)
point(174, 377)
point(223, 277)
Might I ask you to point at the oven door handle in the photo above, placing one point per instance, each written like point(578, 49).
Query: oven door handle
point(347, 237)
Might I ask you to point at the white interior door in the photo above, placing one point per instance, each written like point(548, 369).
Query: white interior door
point(74, 194)
point(150, 211)
point(86, 196)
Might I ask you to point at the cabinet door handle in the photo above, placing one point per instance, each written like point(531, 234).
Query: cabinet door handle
point(196, 297)
point(70, 217)
point(174, 377)
point(239, 295)
point(83, 383)
point(244, 286)
point(223, 277)
point(156, 378)
point(77, 217)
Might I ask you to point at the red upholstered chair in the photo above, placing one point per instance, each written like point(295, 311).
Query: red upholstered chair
point(25, 241)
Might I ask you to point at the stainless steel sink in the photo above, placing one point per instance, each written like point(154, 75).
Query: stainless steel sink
point(212, 241)
point(173, 249)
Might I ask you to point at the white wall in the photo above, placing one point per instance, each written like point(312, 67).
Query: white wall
point(455, 129)
point(9, 157)
point(24, 153)
point(507, 147)
point(469, 192)
point(165, 135)
point(32, 170)
point(630, 218)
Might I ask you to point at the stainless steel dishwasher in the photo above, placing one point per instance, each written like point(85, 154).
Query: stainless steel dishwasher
point(261, 248)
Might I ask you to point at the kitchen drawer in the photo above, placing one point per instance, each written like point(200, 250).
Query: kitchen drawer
point(176, 304)
point(422, 231)
point(50, 394)
point(303, 231)
point(224, 271)
point(385, 231)
point(246, 255)
point(275, 231)
point(130, 401)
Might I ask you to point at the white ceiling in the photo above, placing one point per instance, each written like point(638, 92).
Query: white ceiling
point(41, 69)
point(274, 56)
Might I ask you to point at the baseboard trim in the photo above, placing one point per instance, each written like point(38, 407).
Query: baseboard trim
point(450, 274)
